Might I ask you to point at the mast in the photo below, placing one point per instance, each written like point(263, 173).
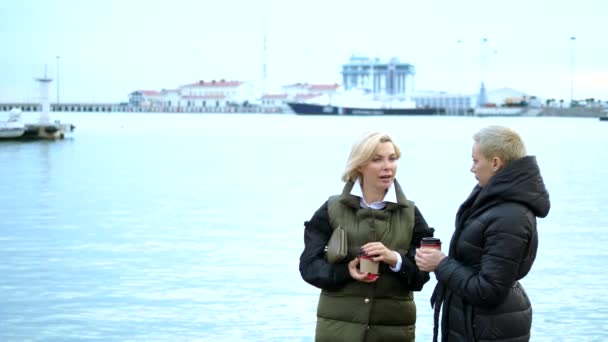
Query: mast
point(264, 60)
point(482, 98)
point(372, 85)
point(44, 98)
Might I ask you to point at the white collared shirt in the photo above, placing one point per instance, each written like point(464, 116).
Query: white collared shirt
point(390, 196)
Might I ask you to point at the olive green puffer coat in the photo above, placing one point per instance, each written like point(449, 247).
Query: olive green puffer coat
point(349, 310)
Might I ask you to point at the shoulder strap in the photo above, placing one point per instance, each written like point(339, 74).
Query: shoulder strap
point(333, 209)
point(410, 213)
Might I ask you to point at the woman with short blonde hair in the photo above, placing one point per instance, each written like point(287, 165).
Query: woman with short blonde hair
point(501, 142)
point(478, 293)
point(362, 152)
point(380, 227)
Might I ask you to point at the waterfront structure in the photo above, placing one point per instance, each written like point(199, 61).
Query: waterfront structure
point(391, 79)
point(44, 128)
point(465, 104)
point(452, 104)
point(390, 85)
point(144, 98)
point(44, 99)
point(41, 129)
point(201, 96)
point(370, 87)
point(67, 107)
point(274, 100)
point(215, 93)
point(482, 98)
point(297, 92)
point(296, 89)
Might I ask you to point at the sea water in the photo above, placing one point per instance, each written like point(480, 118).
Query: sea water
point(188, 227)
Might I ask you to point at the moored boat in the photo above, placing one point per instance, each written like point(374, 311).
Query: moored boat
point(318, 109)
point(360, 102)
point(12, 127)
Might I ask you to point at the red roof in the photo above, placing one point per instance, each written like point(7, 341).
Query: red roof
point(205, 97)
point(320, 87)
point(274, 96)
point(314, 87)
point(214, 83)
point(306, 96)
point(149, 92)
point(297, 85)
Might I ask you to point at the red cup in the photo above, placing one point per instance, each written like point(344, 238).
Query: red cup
point(430, 242)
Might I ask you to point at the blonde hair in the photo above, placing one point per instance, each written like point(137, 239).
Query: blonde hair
point(363, 151)
point(501, 142)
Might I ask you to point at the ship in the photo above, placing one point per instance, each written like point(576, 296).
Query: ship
point(360, 102)
point(318, 109)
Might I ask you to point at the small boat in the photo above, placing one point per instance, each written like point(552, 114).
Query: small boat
point(13, 127)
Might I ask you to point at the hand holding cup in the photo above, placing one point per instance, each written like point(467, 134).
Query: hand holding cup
point(369, 266)
point(429, 255)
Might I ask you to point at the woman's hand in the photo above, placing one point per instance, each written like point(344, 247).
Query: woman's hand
point(427, 259)
point(353, 269)
point(379, 253)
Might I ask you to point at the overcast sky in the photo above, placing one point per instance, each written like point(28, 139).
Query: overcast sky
point(109, 48)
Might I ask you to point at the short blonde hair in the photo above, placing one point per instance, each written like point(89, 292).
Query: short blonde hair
point(363, 151)
point(501, 142)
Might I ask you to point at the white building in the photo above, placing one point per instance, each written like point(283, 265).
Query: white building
point(457, 104)
point(145, 98)
point(200, 96)
point(454, 104)
point(391, 79)
point(297, 92)
point(170, 98)
point(274, 100)
point(505, 97)
point(215, 94)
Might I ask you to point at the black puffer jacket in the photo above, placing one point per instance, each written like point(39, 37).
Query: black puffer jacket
point(494, 245)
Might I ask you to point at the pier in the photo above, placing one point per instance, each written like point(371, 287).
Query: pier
point(56, 130)
point(125, 108)
point(43, 129)
point(64, 107)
